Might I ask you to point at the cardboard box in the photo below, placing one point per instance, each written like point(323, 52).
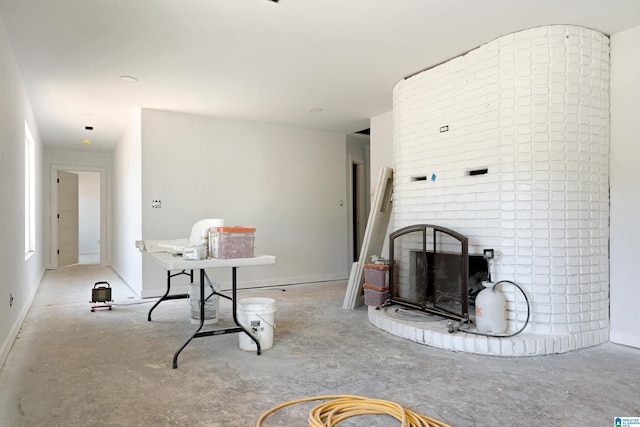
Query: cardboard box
point(194, 253)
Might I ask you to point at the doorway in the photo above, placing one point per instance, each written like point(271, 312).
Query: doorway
point(358, 207)
point(90, 224)
point(88, 217)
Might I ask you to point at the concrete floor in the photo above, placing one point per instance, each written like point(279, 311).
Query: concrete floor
point(72, 367)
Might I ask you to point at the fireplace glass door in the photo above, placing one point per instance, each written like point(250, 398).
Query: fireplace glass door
point(429, 270)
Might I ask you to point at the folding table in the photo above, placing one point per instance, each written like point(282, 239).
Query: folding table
point(173, 263)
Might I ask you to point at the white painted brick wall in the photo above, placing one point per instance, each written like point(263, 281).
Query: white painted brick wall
point(533, 108)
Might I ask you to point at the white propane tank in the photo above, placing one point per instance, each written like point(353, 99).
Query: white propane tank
point(491, 310)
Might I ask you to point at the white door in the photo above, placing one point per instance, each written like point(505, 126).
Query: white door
point(67, 218)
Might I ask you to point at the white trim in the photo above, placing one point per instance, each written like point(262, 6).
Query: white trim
point(361, 196)
point(104, 204)
point(632, 340)
point(15, 329)
point(29, 193)
point(177, 288)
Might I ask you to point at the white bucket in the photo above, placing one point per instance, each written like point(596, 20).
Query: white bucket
point(258, 316)
point(211, 303)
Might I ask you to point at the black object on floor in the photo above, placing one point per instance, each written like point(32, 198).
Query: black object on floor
point(101, 293)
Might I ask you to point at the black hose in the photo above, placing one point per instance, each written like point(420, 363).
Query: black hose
point(459, 328)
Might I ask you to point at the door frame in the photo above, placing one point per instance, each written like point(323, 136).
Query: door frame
point(360, 209)
point(54, 210)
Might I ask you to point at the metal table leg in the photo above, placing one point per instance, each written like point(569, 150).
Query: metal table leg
point(175, 356)
point(235, 312)
point(239, 327)
point(166, 295)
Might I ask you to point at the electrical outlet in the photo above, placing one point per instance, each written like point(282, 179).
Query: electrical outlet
point(10, 300)
point(156, 204)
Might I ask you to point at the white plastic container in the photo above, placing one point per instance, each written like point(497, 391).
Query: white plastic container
point(231, 242)
point(258, 316)
point(211, 303)
point(491, 310)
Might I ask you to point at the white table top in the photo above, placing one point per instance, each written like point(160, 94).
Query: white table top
point(170, 262)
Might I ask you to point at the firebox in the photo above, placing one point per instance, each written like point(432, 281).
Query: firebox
point(431, 270)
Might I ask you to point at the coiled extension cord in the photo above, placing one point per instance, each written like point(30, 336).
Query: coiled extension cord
point(341, 407)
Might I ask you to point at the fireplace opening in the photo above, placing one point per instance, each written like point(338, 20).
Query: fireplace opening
point(431, 270)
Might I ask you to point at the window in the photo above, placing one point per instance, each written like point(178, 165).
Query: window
point(29, 194)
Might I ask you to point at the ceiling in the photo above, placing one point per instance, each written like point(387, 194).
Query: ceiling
point(252, 59)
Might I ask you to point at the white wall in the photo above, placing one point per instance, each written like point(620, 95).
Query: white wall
point(20, 277)
point(381, 144)
point(127, 216)
point(287, 182)
point(382, 156)
point(625, 185)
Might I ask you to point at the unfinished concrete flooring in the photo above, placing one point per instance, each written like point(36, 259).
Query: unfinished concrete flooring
point(72, 367)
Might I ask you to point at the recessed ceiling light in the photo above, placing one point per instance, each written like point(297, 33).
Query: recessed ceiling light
point(315, 110)
point(128, 79)
point(86, 141)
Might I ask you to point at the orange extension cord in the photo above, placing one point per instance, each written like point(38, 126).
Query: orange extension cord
point(341, 407)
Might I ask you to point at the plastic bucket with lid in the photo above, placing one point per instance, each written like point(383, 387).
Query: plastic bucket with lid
point(258, 316)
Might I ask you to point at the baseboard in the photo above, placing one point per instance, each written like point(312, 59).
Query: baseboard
point(15, 329)
point(127, 282)
point(157, 291)
point(631, 340)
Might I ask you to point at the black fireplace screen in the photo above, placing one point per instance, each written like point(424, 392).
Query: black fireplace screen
point(429, 270)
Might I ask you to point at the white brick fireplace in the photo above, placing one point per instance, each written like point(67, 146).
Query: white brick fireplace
point(532, 108)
